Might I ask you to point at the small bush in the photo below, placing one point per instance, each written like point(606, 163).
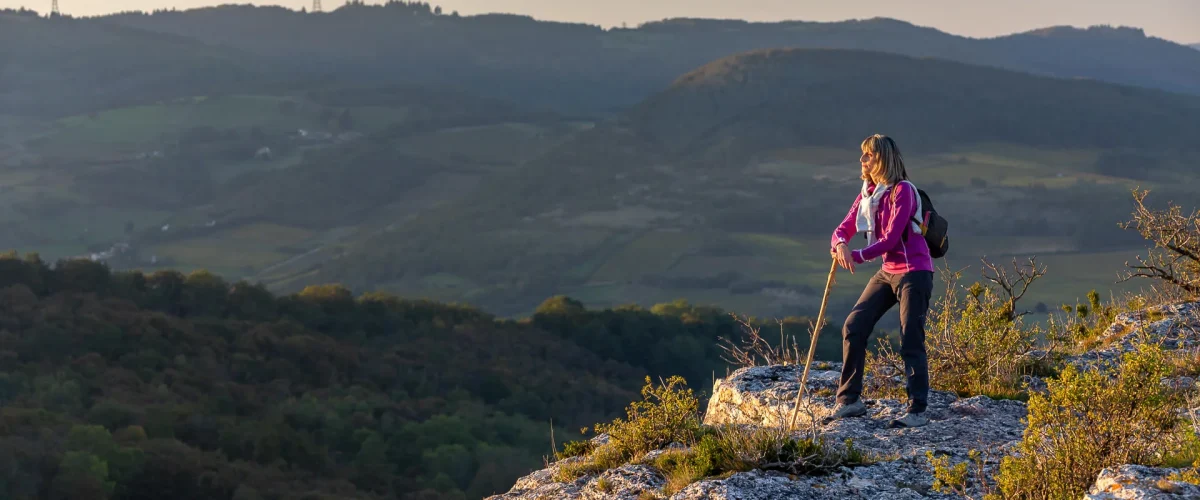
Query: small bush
point(976, 342)
point(1085, 324)
point(733, 449)
point(666, 414)
point(575, 449)
point(947, 478)
point(1190, 475)
point(1087, 422)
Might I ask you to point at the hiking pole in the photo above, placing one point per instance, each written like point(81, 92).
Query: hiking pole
point(812, 346)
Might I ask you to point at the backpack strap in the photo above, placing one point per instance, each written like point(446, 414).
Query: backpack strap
point(916, 211)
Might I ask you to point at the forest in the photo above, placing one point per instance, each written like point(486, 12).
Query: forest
point(126, 385)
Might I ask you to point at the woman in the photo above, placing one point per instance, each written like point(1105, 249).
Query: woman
point(884, 211)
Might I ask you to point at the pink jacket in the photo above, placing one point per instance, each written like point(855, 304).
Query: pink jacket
point(891, 220)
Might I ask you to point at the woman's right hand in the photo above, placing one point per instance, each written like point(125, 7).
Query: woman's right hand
point(843, 257)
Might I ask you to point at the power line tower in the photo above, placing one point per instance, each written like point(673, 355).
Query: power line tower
point(54, 8)
point(316, 5)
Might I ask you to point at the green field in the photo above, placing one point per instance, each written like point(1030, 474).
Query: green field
point(138, 128)
point(653, 252)
point(507, 143)
point(238, 251)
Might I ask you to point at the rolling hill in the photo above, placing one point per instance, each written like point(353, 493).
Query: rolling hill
point(770, 99)
point(725, 185)
point(68, 66)
point(578, 67)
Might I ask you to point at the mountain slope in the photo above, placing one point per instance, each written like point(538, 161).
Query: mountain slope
point(780, 98)
point(726, 184)
point(581, 67)
point(67, 66)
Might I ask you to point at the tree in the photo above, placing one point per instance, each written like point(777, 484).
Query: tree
point(1175, 257)
point(82, 475)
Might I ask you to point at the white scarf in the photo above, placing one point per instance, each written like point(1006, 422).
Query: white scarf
point(869, 206)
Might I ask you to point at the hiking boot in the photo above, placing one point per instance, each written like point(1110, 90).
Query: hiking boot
point(909, 420)
point(855, 409)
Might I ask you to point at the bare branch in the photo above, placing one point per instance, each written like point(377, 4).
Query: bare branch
point(1175, 257)
point(753, 347)
point(1013, 287)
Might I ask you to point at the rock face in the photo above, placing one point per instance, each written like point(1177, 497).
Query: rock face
point(1135, 482)
point(764, 395)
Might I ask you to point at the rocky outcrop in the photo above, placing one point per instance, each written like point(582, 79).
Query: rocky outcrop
point(1174, 326)
point(764, 395)
point(1135, 482)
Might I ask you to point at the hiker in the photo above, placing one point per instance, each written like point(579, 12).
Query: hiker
point(884, 211)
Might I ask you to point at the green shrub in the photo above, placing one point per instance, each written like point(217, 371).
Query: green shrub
point(977, 342)
point(1085, 324)
point(1089, 421)
point(733, 449)
point(669, 414)
point(575, 449)
point(666, 414)
point(955, 479)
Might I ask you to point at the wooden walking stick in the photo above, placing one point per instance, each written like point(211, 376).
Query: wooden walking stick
point(812, 346)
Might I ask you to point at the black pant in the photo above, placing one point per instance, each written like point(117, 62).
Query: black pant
point(912, 291)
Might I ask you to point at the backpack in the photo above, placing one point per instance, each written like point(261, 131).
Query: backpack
point(933, 226)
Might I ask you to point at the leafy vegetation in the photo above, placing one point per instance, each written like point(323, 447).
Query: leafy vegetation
point(124, 384)
point(668, 414)
point(1090, 421)
point(976, 339)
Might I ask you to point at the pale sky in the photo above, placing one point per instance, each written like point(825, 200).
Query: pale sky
point(1176, 20)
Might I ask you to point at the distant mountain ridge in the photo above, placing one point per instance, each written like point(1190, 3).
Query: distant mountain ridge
point(67, 66)
point(789, 97)
point(582, 67)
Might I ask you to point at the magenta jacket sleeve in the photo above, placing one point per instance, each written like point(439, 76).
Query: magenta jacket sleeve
point(898, 220)
point(848, 227)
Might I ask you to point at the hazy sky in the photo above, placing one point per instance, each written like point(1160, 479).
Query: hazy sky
point(1177, 20)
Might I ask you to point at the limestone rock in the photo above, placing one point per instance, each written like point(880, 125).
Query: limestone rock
point(1135, 482)
point(624, 483)
point(764, 395)
point(1174, 326)
point(541, 485)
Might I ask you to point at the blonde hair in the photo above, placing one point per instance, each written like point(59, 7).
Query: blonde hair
point(886, 152)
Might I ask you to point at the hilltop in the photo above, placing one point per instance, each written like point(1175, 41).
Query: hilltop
point(1098, 402)
point(966, 450)
point(578, 67)
point(763, 101)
